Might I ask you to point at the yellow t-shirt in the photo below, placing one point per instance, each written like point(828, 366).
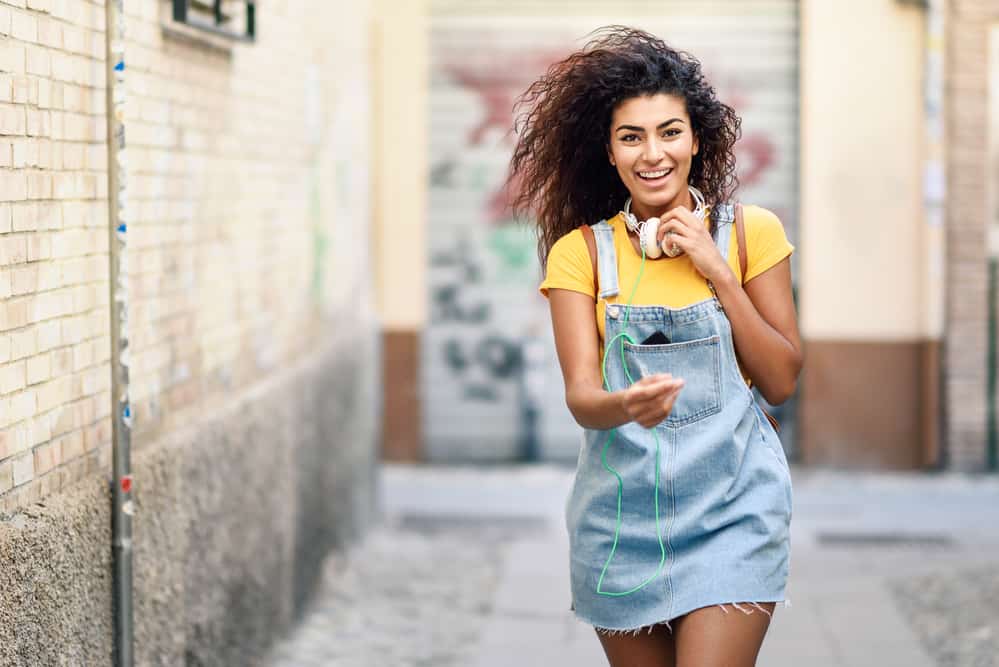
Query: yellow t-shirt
point(673, 282)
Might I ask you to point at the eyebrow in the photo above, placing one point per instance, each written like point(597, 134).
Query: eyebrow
point(635, 128)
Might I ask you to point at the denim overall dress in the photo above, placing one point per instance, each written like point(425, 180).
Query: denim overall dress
point(723, 506)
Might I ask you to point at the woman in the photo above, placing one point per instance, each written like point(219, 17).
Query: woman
point(679, 514)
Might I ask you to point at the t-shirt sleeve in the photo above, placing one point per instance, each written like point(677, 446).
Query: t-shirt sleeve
point(766, 242)
point(569, 266)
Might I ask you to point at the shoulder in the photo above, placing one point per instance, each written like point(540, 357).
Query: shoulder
point(759, 220)
point(568, 246)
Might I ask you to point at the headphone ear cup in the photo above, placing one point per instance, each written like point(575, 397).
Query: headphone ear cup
point(648, 238)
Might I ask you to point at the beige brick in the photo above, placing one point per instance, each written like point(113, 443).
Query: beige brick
point(25, 152)
point(24, 218)
point(12, 121)
point(49, 215)
point(12, 377)
point(13, 185)
point(46, 154)
point(49, 305)
point(41, 430)
point(53, 393)
point(39, 369)
point(24, 469)
point(6, 216)
point(23, 343)
point(62, 361)
point(38, 123)
point(45, 92)
point(73, 40)
point(37, 62)
point(39, 247)
point(49, 335)
point(4, 348)
point(13, 250)
point(23, 280)
point(14, 313)
point(71, 446)
point(6, 154)
point(39, 185)
point(73, 157)
point(49, 274)
point(5, 14)
point(50, 32)
point(63, 420)
point(19, 439)
point(46, 458)
point(6, 88)
point(24, 26)
point(83, 355)
point(69, 243)
point(4, 283)
point(24, 90)
point(6, 476)
point(12, 57)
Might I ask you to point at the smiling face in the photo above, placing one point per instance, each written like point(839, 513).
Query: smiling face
point(652, 146)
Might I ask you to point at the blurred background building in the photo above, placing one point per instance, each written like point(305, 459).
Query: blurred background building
point(864, 129)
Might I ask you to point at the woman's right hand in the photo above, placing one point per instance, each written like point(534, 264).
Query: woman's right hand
point(649, 400)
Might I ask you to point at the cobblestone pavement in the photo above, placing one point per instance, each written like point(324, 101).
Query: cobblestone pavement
point(956, 615)
point(411, 594)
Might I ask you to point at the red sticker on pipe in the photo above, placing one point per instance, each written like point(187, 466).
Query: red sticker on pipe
point(126, 484)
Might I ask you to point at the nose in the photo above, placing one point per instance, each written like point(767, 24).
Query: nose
point(653, 150)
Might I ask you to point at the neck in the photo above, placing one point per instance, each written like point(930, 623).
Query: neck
point(643, 212)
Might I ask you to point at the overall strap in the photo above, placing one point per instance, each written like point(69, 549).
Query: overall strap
point(725, 215)
point(600, 243)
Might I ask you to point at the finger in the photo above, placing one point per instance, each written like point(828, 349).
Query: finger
point(678, 228)
point(670, 401)
point(682, 214)
point(640, 405)
point(647, 390)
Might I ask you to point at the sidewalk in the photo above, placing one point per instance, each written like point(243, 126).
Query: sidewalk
point(469, 569)
point(855, 539)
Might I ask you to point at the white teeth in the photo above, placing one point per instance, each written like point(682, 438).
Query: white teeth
point(654, 174)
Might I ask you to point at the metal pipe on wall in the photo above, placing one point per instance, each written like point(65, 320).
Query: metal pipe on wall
point(122, 505)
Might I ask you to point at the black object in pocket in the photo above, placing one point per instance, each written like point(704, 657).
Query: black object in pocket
point(657, 338)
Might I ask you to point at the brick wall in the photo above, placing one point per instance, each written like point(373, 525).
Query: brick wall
point(233, 213)
point(966, 149)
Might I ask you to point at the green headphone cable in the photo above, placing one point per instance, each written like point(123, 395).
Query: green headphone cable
point(603, 455)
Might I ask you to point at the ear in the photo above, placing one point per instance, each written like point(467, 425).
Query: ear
point(610, 156)
point(697, 146)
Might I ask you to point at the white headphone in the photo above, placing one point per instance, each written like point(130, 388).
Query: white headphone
point(649, 229)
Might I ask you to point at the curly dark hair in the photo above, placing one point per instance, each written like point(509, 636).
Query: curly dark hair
point(559, 171)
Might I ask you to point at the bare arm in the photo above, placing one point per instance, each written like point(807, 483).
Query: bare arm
point(765, 329)
point(647, 402)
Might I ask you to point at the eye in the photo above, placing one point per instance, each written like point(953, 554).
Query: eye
point(629, 137)
point(672, 132)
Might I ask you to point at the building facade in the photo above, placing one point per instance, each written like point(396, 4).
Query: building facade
point(253, 407)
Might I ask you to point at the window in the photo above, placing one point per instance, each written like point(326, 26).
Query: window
point(232, 19)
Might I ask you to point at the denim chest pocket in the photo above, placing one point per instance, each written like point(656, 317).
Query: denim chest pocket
point(697, 362)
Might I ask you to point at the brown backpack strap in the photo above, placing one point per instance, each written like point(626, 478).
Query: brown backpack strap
point(591, 246)
point(740, 237)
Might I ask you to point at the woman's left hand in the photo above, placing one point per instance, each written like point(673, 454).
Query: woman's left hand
point(691, 235)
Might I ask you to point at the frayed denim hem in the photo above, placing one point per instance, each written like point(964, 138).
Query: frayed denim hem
point(634, 631)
